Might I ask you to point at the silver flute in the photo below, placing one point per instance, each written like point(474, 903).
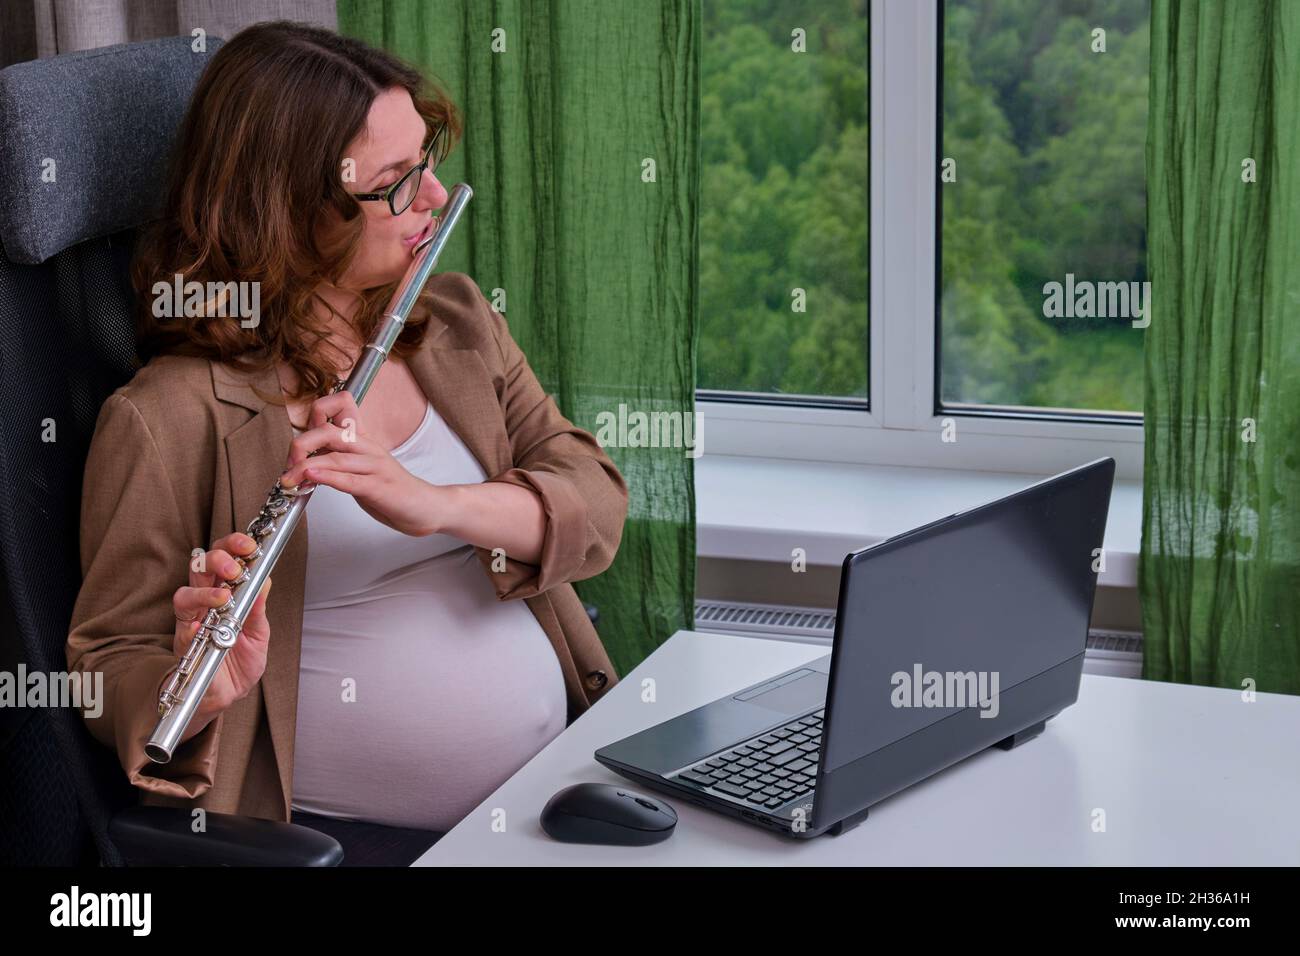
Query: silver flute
point(275, 523)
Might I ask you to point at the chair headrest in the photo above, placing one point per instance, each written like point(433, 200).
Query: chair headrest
point(107, 118)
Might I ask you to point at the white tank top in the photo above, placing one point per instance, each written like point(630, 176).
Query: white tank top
point(419, 692)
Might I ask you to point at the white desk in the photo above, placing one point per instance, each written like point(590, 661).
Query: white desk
point(1186, 775)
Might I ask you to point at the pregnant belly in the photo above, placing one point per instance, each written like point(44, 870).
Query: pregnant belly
point(420, 697)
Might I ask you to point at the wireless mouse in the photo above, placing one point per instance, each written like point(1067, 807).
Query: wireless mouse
point(607, 814)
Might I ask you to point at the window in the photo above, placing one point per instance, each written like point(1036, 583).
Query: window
point(1042, 287)
point(784, 211)
point(966, 364)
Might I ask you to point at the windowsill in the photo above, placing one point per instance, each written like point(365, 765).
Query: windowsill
point(761, 509)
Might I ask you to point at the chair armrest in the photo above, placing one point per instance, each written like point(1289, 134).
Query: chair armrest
point(163, 836)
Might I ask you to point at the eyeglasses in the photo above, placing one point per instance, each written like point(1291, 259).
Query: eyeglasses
point(402, 193)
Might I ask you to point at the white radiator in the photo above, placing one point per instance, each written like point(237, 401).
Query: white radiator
point(1109, 653)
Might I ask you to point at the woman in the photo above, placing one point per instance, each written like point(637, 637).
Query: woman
point(423, 641)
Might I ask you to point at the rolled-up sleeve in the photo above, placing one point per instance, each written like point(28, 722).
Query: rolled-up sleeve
point(583, 494)
point(132, 544)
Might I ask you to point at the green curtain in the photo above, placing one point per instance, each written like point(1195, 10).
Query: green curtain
point(596, 253)
point(1220, 568)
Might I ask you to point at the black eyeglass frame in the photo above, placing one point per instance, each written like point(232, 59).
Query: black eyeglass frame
point(439, 137)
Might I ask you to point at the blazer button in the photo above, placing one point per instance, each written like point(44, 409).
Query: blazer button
point(596, 680)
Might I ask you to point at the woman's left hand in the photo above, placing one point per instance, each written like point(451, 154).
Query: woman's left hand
point(360, 467)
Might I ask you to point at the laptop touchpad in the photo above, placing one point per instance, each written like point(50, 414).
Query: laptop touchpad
point(790, 696)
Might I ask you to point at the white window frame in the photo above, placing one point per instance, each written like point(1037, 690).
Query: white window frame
point(901, 428)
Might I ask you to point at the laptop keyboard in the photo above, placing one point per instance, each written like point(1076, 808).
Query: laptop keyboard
point(769, 770)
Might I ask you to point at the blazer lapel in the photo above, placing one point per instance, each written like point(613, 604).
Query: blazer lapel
point(460, 388)
point(256, 452)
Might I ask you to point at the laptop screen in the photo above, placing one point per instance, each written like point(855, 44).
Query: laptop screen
point(955, 613)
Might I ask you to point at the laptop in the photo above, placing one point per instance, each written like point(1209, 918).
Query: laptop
point(963, 634)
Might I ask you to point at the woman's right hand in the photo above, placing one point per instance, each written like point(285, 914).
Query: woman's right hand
point(246, 661)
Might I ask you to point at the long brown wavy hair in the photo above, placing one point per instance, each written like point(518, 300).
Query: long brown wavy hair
point(254, 184)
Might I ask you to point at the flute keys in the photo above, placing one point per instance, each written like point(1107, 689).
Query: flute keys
point(261, 526)
point(280, 491)
point(224, 635)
